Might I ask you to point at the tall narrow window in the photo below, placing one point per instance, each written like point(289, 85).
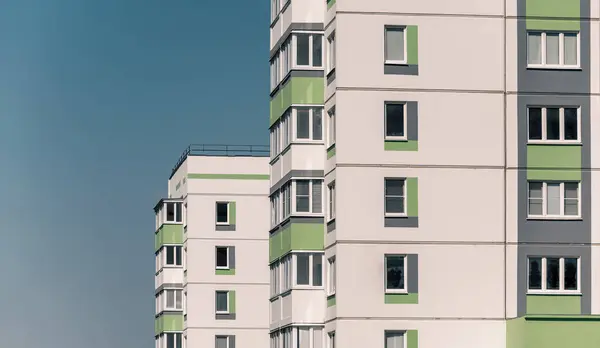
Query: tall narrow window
point(222, 257)
point(331, 210)
point(331, 127)
point(395, 121)
point(173, 212)
point(222, 213)
point(395, 279)
point(395, 45)
point(395, 197)
point(308, 196)
point(222, 301)
point(331, 52)
point(331, 276)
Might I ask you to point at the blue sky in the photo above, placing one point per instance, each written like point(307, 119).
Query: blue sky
point(97, 101)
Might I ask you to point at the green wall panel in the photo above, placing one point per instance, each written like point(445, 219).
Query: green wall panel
point(298, 90)
point(412, 339)
point(553, 8)
point(331, 151)
point(412, 44)
point(556, 332)
point(296, 236)
point(168, 322)
point(232, 212)
point(554, 162)
point(412, 195)
point(402, 298)
point(410, 145)
point(231, 301)
point(331, 301)
point(553, 304)
point(230, 271)
point(168, 234)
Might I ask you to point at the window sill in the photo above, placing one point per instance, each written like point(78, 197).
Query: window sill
point(308, 287)
point(397, 139)
point(396, 215)
point(223, 224)
point(555, 142)
point(554, 293)
point(172, 266)
point(554, 218)
point(554, 68)
point(396, 292)
point(393, 62)
point(223, 268)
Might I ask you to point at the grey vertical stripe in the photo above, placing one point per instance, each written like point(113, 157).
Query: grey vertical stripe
point(232, 341)
point(232, 257)
point(412, 122)
point(413, 273)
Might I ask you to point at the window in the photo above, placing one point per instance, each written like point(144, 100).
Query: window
point(331, 277)
point(395, 121)
point(308, 337)
point(553, 274)
point(222, 257)
point(286, 58)
point(331, 128)
point(553, 199)
point(222, 301)
point(171, 340)
point(395, 45)
point(395, 197)
point(287, 337)
point(173, 299)
point(275, 201)
point(395, 339)
point(331, 52)
point(309, 269)
point(286, 129)
point(222, 213)
point(331, 195)
point(286, 193)
point(553, 124)
point(286, 275)
point(275, 76)
point(395, 275)
point(308, 196)
point(173, 255)
point(173, 212)
point(274, 279)
point(309, 50)
point(309, 123)
point(224, 341)
point(331, 343)
point(553, 49)
point(275, 340)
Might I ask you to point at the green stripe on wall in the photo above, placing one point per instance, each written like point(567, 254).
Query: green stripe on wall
point(410, 145)
point(296, 236)
point(412, 195)
point(231, 301)
point(331, 151)
point(553, 304)
point(230, 271)
point(402, 298)
point(168, 234)
point(298, 90)
point(553, 332)
point(543, 11)
point(229, 176)
point(554, 162)
point(168, 322)
point(412, 339)
point(331, 300)
point(232, 212)
point(412, 44)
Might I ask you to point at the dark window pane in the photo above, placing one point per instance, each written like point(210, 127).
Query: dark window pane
point(317, 270)
point(302, 124)
point(317, 124)
point(552, 274)
point(570, 274)
point(317, 50)
point(178, 251)
point(552, 124)
point(170, 212)
point(170, 340)
point(302, 269)
point(178, 340)
point(394, 120)
point(222, 212)
point(222, 257)
point(571, 124)
point(394, 205)
point(178, 212)
point(302, 49)
point(221, 301)
point(170, 255)
point(394, 187)
point(535, 124)
point(395, 272)
point(535, 273)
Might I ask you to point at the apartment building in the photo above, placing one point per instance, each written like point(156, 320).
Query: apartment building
point(431, 174)
point(212, 279)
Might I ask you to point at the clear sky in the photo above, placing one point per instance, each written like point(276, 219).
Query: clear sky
point(98, 98)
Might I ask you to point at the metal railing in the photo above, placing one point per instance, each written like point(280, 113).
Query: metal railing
point(222, 150)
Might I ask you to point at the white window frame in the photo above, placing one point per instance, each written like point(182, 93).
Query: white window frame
point(561, 50)
point(331, 201)
point(562, 215)
point(331, 127)
point(227, 337)
point(396, 291)
point(163, 338)
point(405, 190)
point(228, 251)
point(314, 333)
point(286, 200)
point(331, 52)
point(311, 279)
point(165, 303)
point(164, 252)
point(331, 339)
point(287, 271)
point(404, 116)
point(217, 217)
point(311, 37)
point(311, 116)
point(331, 276)
point(286, 125)
point(562, 139)
point(311, 182)
point(275, 287)
point(226, 292)
point(177, 206)
point(561, 274)
point(392, 61)
point(395, 332)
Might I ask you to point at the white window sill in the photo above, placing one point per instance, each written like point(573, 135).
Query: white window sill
point(396, 62)
point(397, 215)
point(552, 67)
point(172, 266)
point(554, 218)
point(223, 268)
point(305, 214)
point(223, 223)
point(307, 287)
point(387, 138)
point(308, 141)
point(308, 67)
point(400, 292)
point(174, 309)
point(554, 142)
point(220, 312)
point(555, 292)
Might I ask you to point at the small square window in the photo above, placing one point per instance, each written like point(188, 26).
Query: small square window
point(222, 213)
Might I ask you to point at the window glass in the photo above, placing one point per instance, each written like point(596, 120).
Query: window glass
point(170, 212)
point(534, 48)
point(303, 338)
point(535, 123)
point(394, 272)
point(170, 298)
point(302, 269)
point(394, 196)
point(302, 196)
point(552, 48)
point(221, 342)
point(178, 212)
point(570, 274)
point(570, 49)
point(222, 257)
point(222, 301)
point(317, 270)
point(178, 258)
point(302, 123)
point(222, 212)
point(394, 120)
point(317, 338)
point(394, 339)
point(553, 123)
point(170, 255)
point(317, 50)
point(302, 49)
point(553, 198)
point(317, 124)
point(394, 44)
point(571, 198)
point(552, 274)
point(571, 124)
point(535, 273)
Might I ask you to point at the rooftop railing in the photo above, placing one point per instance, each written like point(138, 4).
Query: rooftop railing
point(222, 150)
